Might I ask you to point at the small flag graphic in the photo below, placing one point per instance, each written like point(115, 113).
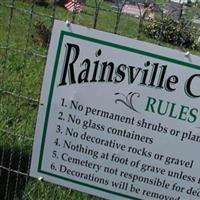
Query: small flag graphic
point(73, 6)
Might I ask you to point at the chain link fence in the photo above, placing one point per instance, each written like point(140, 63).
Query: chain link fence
point(25, 28)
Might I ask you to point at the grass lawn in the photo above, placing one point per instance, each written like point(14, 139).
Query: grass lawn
point(22, 61)
point(191, 11)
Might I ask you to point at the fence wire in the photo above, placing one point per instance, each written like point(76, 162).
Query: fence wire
point(25, 28)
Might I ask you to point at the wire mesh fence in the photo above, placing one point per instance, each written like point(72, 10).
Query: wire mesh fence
point(25, 28)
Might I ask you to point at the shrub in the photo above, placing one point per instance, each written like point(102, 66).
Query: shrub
point(165, 29)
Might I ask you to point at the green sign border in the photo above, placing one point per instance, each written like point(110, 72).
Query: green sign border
point(106, 43)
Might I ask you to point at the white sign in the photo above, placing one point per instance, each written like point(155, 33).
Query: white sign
point(118, 118)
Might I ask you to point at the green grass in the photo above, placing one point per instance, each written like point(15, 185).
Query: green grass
point(161, 2)
point(21, 74)
point(191, 11)
point(40, 191)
